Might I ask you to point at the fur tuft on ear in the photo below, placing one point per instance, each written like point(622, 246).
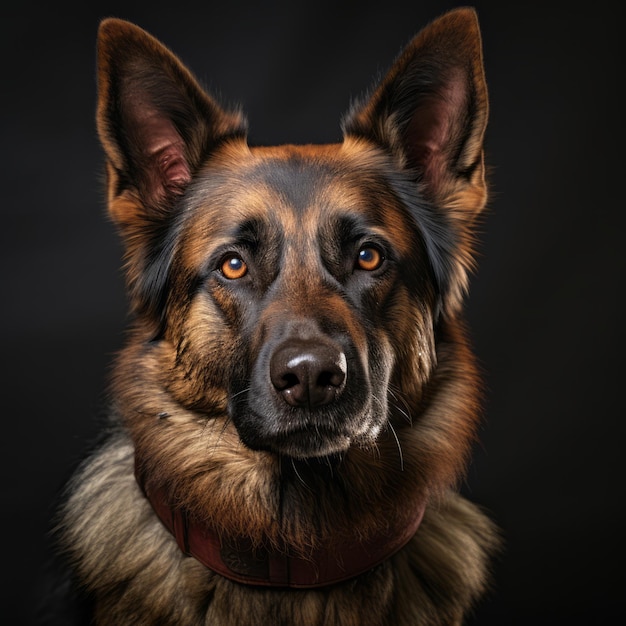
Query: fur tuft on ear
point(155, 122)
point(429, 114)
point(430, 111)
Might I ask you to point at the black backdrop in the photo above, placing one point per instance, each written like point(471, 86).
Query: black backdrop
point(544, 304)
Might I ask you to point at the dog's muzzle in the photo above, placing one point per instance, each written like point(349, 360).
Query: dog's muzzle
point(308, 393)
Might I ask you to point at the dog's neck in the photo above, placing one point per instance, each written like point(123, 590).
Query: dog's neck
point(279, 566)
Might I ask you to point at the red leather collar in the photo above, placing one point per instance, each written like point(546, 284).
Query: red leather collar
point(236, 559)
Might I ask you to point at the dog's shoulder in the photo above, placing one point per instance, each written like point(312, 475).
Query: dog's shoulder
point(447, 562)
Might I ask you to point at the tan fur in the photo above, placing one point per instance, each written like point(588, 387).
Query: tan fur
point(180, 165)
point(431, 582)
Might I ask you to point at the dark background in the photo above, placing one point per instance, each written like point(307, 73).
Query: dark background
point(544, 306)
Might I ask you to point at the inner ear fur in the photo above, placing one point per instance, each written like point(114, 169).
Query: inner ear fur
point(430, 111)
point(155, 122)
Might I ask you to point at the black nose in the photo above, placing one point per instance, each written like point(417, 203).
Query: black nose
point(308, 373)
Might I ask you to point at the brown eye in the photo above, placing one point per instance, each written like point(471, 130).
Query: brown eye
point(369, 258)
point(233, 267)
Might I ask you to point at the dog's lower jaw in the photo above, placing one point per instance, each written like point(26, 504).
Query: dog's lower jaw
point(302, 445)
point(317, 449)
point(311, 440)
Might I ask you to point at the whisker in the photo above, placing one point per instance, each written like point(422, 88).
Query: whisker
point(330, 467)
point(375, 450)
point(399, 397)
point(404, 414)
point(393, 431)
point(295, 469)
point(240, 392)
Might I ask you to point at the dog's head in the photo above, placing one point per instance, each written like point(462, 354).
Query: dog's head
point(297, 291)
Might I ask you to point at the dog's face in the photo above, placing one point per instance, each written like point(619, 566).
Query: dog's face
point(302, 267)
point(296, 291)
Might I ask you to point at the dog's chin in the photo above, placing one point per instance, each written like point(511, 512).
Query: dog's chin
point(304, 446)
point(312, 442)
point(299, 445)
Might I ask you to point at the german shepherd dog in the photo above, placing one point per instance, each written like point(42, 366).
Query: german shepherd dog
point(296, 400)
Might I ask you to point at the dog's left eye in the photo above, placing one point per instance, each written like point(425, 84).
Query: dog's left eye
point(233, 267)
point(369, 258)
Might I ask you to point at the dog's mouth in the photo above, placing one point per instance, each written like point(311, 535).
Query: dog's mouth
point(305, 437)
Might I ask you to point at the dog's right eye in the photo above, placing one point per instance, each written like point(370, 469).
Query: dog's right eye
point(233, 267)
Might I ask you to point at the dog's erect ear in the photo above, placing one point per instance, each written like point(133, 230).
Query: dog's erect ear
point(431, 109)
point(155, 122)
